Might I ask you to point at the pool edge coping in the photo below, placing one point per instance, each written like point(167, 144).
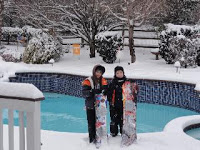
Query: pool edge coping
point(181, 124)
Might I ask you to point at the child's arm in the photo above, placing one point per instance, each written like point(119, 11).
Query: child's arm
point(86, 89)
point(104, 87)
point(110, 92)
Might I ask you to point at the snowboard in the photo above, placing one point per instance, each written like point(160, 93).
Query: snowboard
point(129, 113)
point(101, 111)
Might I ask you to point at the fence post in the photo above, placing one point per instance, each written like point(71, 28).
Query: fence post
point(33, 128)
point(11, 129)
point(23, 102)
point(21, 131)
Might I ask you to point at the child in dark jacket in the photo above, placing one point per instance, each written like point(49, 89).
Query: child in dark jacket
point(93, 85)
point(115, 99)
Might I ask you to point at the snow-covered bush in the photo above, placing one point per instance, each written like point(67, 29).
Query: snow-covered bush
point(2, 49)
point(11, 30)
point(15, 33)
point(42, 48)
point(11, 56)
point(30, 32)
point(178, 43)
point(197, 42)
point(108, 43)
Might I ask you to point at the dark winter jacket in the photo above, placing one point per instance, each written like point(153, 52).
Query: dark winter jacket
point(89, 89)
point(115, 97)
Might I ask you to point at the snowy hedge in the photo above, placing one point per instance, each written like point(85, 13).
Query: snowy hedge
point(108, 43)
point(30, 32)
point(11, 55)
point(11, 30)
point(180, 43)
point(2, 49)
point(42, 48)
point(12, 33)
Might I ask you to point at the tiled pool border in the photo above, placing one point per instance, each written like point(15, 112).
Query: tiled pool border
point(190, 127)
point(153, 91)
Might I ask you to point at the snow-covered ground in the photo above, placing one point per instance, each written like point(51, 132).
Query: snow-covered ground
point(172, 138)
point(145, 67)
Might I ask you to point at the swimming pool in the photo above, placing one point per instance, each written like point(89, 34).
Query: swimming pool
point(195, 133)
point(67, 114)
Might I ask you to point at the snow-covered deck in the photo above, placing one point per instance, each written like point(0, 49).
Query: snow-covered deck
point(172, 138)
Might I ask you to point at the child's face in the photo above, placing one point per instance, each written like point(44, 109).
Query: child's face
point(98, 74)
point(119, 74)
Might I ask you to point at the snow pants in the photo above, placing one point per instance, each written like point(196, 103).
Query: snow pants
point(116, 117)
point(91, 118)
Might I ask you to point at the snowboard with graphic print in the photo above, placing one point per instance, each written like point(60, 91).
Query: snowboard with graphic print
point(101, 111)
point(129, 113)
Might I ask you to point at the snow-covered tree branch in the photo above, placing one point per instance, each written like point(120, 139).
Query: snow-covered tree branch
point(83, 18)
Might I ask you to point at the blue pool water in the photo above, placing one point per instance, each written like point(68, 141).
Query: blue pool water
point(67, 114)
point(195, 133)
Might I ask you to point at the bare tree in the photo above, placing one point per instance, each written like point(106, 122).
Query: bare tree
point(197, 13)
point(9, 14)
point(83, 18)
point(1, 18)
point(134, 13)
point(87, 18)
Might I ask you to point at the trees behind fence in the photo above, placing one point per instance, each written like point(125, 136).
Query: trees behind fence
point(1, 20)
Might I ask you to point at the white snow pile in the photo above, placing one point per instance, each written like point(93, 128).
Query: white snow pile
point(22, 90)
point(177, 64)
point(197, 87)
point(119, 55)
point(155, 50)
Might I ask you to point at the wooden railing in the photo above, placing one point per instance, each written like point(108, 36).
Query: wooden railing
point(25, 98)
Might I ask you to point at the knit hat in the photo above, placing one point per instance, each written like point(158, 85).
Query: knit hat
point(119, 68)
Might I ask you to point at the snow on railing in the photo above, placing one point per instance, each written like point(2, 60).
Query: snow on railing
point(24, 98)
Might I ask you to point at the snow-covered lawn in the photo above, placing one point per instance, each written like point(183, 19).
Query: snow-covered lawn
point(145, 67)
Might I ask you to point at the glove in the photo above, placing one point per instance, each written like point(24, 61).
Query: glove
point(96, 91)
